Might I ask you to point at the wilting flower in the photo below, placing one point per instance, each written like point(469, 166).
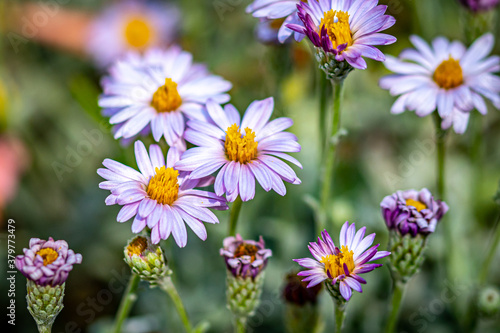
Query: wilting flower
point(131, 25)
point(297, 292)
point(346, 29)
point(155, 92)
point(281, 13)
point(413, 212)
point(245, 258)
point(159, 196)
point(243, 156)
point(479, 5)
point(344, 264)
point(447, 77)
point(47, 263)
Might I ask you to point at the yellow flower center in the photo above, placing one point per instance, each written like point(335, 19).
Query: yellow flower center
point(137, 246)
point(336, 23)
point(240, 148)
point(137, 32)
point(245, 249)
point(167, 98)
point(417, 204)
point(448, 74)
point(163, 186)
point(335, 263)
point(48, 254)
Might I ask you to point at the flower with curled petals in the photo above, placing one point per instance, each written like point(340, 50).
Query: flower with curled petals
point(345, 29)
point(243, 150)
point(342, 264)
point(47, 262)
point(156, 92)
point(160, 197)
point(444, 76)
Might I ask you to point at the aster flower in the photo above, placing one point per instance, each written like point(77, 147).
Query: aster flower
point(343, 265)
point(159, 196)
point(412, 212)
point(245, 258)
point(345, 30)
point(479, 5)
point(47, 263)
point(447, 77)
point(156, 91)
point(131, 25)
point(241, 156)
point(281, 12)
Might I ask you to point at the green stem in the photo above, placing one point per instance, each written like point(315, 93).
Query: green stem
point(240, 325)
point(233, 215)
point(127, 301)
point(491, 253)
point(397, 296)
point(167, 285)
point(441, 152)
point(44, 328)
point(339, 316)
point(331, 142)
point(323, 103)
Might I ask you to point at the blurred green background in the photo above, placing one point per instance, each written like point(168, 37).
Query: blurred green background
point(48, 101)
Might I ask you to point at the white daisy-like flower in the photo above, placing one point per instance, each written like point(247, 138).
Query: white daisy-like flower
point(131, 25)
point(445, 76)
point(156, 92)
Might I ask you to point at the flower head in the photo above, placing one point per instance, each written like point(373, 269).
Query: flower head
point(346, 29)
point(413, 212)
point(479, 5)
point(243, 150)
point(447, 77)
point(281, 13)
point(146, 259)
point(159, 196)
point(245, 258)
point(341, 264)
point(47, 262)
point(296, 291)
point(131, 25)
point(155, 92)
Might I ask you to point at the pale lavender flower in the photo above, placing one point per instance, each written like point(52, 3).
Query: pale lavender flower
point(413, 212)
point(346, 29)
point(47, 262)
point(156, 92)
point(271, 10)
point(131, 25)
point(445, 76)
point(245, 258)
point(243, 150)
point(341, 264)
point(160, 197)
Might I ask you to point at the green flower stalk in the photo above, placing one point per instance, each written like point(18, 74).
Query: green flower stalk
point(245, 261)
point(46, 265)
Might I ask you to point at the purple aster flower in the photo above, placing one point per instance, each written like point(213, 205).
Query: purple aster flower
point(159, 196)
point(447, 77)
point(272, 10)
point(241, 156)
point(347, 29)
point(245, 258)
point(344, 264)
point(479, 5)
point(131, 25)
point(47, 262)
point(414, 212)
point(156, 92)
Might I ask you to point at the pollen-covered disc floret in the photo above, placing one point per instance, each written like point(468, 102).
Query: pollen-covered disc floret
point(412, 212)
point(156, 92)
point(131, 25)
point(160, 197)
point(341, 265)
point(344, 30)
point(47, 262)
point(444, 76)
point(242, 156)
